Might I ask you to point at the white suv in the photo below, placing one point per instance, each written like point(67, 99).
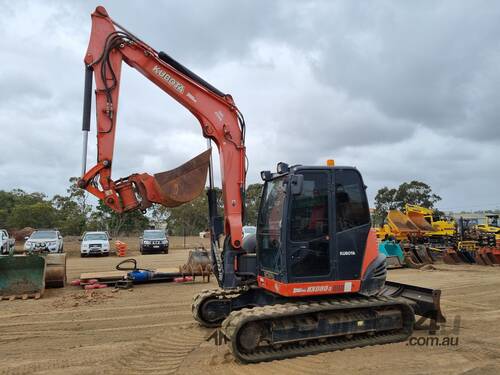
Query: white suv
point(48, 240)
point(94, 243)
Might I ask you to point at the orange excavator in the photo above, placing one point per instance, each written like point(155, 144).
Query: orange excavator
point(311, 279)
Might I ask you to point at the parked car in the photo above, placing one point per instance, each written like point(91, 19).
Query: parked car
point(153, 240)
point(95, 243)
point(49, 240)
point(6, 242)
point(249, 229)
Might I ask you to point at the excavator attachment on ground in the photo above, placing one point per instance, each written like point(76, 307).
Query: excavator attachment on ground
point(394, 256)
point(198, 263)
point(27, 275)
point(22, 276)
point(55, 270)
point(450, 256)
point(415, 255)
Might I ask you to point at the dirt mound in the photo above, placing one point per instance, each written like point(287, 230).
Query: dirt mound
point(20, 234)
point(84, 298)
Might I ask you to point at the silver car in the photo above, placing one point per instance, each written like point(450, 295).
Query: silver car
point(48, 240)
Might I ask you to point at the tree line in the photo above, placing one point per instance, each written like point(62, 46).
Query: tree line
point(72, 214)
point(413, 192)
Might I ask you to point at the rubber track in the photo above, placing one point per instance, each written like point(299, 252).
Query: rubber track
point(207, 294)
point(237, 319)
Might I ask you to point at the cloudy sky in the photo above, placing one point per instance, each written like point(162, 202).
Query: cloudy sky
point(400, 89)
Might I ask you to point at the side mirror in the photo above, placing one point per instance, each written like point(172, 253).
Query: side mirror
point(296, 184)
point(26, 238)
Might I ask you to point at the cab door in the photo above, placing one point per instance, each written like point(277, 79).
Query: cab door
point(309, 226)
point(352, 223)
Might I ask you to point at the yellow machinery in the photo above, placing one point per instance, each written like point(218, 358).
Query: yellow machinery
point(398, 226)
point(491, 226)
point(401, 228)
point(415, 219)
point(424, 218)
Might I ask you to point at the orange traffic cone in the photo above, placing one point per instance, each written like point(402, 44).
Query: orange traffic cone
point(121, 248)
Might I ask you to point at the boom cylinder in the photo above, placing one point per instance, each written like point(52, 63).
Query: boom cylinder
point(87, 104)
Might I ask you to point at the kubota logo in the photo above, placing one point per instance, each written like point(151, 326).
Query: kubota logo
point(171, 81)
point(350, 252)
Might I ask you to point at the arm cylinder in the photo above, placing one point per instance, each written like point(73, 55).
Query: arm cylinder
point(87, 104)
point(87, 99)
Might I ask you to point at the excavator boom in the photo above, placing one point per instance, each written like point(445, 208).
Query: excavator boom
point(220, 120)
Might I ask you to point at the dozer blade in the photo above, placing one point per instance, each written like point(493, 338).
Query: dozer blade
point(425, 302)
point(22, 276)
point(184, 183)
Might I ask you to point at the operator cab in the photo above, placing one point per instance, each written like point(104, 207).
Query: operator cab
point(313, 224)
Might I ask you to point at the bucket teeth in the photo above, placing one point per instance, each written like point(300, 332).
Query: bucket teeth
point(184, 183)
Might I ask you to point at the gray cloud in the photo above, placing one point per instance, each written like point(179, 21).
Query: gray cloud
point(401, 90)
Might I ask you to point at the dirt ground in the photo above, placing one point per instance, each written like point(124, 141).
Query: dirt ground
point(149, 329)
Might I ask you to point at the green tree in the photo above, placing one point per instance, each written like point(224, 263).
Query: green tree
point(192, 217)
point(414, 192)
point(70, 219)
point(37, 215)
point(104, 218)
point(253, 194)
point(16, 203)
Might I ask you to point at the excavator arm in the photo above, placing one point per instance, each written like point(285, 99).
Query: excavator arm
point(220, 120)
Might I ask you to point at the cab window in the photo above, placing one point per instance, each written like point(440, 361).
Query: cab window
point(309, 228)
point(350, 200)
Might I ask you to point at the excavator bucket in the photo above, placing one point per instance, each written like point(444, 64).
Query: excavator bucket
point(451, 257)
point(466, 256)
point(493, 254)
point(198, 263)
point(393, 254)
point(415, 256)
point(184, 183)
point(22, 276)
point(422, 254)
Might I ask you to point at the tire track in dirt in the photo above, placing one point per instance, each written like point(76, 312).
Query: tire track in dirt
point(294, 366)
point(76, 330)
point(94, 310)
point(80, 359)
point(95, 320)
point(162, 353)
